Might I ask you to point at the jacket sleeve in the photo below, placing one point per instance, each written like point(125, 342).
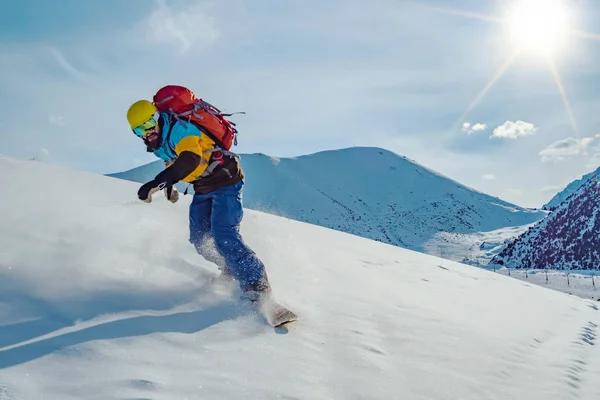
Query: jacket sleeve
point(187, 138)
point(185, 164)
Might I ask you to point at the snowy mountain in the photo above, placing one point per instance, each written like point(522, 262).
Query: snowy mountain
point(569, 190)
point(569, 238)
point(102, 297)
point(373, 193)
point(475, 249)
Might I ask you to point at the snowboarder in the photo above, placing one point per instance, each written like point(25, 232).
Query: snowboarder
point(192, 155)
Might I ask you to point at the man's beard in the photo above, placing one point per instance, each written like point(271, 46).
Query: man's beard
point(152, 140)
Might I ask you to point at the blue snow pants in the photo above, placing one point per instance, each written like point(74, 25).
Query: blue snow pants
point(215, 223)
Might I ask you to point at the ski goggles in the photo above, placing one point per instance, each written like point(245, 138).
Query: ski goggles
point(145, 128)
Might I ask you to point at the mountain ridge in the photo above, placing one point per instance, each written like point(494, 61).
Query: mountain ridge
point(571, 188)
point(568, 238)
point(370, 192)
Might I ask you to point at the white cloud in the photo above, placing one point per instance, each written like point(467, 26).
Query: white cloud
point(57, 120)
point(489, 177)
point(594, 161)
point(45, 151)
point(552, 189)
point(515, 192)
point(567, 148)
point(467, 127)
point(479, 127)
point(186, 27)
point(65, 64)
point(513, 130)
point(594, 149)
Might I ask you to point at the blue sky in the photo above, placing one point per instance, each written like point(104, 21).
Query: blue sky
point(310, 76)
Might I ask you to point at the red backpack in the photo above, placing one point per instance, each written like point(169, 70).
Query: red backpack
point(182, 104)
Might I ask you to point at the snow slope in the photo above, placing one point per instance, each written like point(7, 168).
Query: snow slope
point(373, 193)
point(569, 190)
point(568, 238)
point(475, 249)
point(101, 297)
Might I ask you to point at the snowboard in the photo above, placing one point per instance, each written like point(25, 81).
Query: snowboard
point(276, 314)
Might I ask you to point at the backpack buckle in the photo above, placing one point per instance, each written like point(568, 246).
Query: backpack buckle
point(218, 157)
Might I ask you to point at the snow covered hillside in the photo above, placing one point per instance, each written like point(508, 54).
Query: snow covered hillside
point(373, 193)
point(569, 190)
point(102, 297)
point(569, 238)
point(475, 249)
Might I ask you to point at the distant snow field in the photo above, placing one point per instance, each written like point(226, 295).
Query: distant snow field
point(585, 284)
point(475, 249)
point(478, 249)
point(102, 297)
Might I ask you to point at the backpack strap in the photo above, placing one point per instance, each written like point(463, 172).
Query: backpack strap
point(218, 152)
point(217, 159)
point(209, 108)
point(181, 118)
point(223, 153)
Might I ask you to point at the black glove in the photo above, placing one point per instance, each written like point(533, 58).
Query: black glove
point(182, 167)
point(148, 189)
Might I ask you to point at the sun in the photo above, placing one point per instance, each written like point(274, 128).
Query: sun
point(538, 27)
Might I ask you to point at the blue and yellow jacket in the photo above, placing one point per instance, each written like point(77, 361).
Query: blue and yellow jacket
point(182, 137)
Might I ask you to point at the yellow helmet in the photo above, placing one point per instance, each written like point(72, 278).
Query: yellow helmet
point(140, 112)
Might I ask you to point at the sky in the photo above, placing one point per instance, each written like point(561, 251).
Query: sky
point(447, 83)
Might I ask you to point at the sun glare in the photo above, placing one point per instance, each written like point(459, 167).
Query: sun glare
point(538, 27)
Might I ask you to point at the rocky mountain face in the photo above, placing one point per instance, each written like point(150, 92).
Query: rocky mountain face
point(568, 238)
point(569, 190)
